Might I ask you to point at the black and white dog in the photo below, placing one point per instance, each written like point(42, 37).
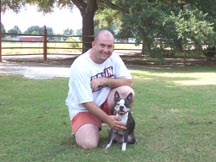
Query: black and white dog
point(122, 110)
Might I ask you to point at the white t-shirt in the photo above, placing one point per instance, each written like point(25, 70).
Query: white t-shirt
point(83, 70)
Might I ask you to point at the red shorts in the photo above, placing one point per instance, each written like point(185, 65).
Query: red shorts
point(87, 118)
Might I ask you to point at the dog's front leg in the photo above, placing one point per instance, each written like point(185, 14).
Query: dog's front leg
point(124, 144)
point(110, 138)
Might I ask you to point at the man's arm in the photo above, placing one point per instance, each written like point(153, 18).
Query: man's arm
point(111, 120)
point(110, 82)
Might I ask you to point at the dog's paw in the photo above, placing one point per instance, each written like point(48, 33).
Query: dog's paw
point(131, 139)
point(124, 146)
point(107, 146)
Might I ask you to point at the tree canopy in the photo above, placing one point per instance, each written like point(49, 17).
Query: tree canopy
point(147, 21)
point(169, 22)
point(15, 30)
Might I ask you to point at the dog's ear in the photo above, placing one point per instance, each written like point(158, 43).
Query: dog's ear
point(116, 96)
point(129, 97)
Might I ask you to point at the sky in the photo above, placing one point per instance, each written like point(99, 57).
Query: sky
point(59, 20)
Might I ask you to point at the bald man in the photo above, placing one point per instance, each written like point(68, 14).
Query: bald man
point(94, 77)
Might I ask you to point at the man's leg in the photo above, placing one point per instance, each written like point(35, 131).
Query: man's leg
point(87, 136)
point(86, 128)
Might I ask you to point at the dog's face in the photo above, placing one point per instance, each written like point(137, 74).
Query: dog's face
point(122, 105)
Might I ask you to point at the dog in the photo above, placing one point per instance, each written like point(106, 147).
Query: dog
point(122, 110)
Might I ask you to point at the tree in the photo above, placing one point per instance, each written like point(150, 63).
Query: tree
point(87, 9)
point(108, 18)
point(143, 20)
point(14, 5)
point(15, 30)
point(168, 22)
point(37, 30)
point(68, 31)
point(207, 7)
point(192, 24)
point(3, 30)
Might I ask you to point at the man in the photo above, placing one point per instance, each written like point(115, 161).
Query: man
point(94, 77)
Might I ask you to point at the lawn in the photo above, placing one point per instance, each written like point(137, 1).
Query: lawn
point(174, 111)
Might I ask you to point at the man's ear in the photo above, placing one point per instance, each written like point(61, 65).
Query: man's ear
point(93, 43)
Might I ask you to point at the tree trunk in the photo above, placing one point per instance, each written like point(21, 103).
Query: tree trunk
point(88, 24)
point(146, 46)
point(143, 48)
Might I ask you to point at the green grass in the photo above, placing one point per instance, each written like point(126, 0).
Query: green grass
point(174, 111)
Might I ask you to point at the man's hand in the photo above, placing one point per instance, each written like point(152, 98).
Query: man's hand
point(98, 83)
point(109, 82)
point(115, 123)
point(112, 120)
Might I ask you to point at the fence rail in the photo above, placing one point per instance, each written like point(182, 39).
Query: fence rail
point(25, 44)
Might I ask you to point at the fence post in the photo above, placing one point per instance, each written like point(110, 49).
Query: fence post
point(44, 44)
point(185, 58)
point(0, 35)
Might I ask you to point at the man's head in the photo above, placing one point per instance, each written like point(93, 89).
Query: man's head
point(102, 46)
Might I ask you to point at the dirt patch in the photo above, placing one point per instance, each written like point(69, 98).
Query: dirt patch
point(137, 59)
point(34, 67)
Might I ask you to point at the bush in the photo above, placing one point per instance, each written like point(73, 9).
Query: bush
point(210, 52)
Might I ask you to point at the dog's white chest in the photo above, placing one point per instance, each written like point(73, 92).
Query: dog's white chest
point(124, 117)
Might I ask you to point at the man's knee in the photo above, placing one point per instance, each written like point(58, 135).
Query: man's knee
point(87, 143)
point(123, 91)
point(87, 136)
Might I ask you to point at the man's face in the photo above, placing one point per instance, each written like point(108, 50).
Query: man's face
point(103, 48)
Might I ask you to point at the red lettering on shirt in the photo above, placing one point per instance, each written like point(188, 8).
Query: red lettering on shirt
point(107, 73)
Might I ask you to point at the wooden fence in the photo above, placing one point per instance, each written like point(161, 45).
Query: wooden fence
point(25, 44)
point(15, 44)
